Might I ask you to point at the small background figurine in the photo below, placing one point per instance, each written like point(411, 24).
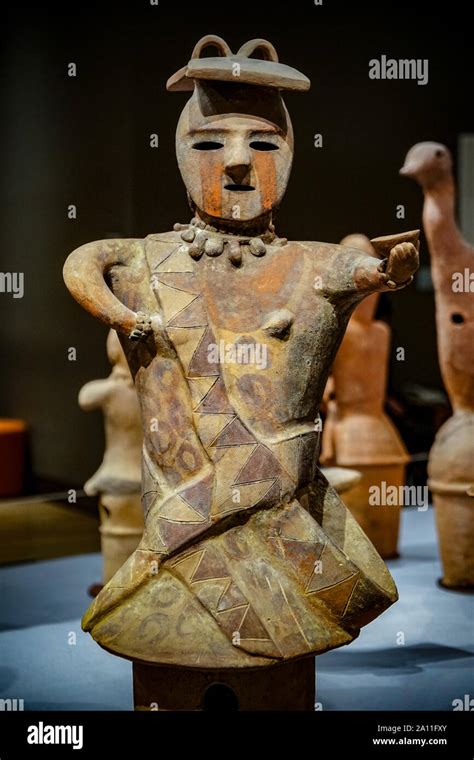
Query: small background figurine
point(451, 464)
point(117, 482)
point(342, 479)
point(357, 432)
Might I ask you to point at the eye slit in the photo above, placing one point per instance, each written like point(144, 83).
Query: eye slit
point(208, 145)
point(263, 145)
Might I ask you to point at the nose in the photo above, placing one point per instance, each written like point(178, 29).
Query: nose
point(237, 161)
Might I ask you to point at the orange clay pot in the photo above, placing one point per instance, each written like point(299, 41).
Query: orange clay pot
point(12, 457)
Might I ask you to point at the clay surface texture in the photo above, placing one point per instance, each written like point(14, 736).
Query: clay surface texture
point(249, 557)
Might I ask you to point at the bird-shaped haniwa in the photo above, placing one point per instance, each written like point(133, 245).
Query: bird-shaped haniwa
point(451, 465)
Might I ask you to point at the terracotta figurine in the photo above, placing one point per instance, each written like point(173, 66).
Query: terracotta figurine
point(451, 463)
point(249, 558)
point(117, 482)
point(357, 432)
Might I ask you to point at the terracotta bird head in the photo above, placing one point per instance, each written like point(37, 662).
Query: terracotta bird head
point(428, 163)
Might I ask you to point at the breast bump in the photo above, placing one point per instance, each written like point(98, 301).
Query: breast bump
point(278, 324)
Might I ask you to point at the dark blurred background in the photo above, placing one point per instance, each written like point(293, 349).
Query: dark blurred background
point(85, 141)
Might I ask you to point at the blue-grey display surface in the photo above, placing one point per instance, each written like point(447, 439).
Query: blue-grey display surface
point(417, 656)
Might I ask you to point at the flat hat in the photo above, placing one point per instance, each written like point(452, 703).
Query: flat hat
point(240, 67)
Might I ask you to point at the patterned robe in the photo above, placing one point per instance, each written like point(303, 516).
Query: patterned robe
point(249, 557)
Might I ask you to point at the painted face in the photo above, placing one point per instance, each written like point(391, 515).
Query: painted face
point(234, 163)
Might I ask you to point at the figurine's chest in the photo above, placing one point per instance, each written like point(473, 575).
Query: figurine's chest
point(261, 332)
point(272, 296)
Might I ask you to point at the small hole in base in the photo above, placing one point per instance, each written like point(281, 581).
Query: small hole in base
point(219, 697)
point(457, 318)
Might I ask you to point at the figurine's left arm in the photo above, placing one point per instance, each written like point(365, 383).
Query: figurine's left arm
point(394, 269)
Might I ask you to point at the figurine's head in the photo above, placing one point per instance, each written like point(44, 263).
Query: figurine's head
point(428, 163)
point(235, 148)
point(234, 140)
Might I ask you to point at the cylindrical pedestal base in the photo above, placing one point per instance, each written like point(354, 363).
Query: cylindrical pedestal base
point(450, 479)
point(121, 529)
point(379, 521)
point(116, 549)
point(290, 686)
point(455, 524)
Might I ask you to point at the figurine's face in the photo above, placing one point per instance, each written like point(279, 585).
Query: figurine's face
point(235, 165)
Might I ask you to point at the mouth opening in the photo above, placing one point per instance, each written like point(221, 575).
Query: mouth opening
point(239, 188)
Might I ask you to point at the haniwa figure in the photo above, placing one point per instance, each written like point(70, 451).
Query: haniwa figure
point(357, 432)
point(249, 558)
point(451, 462)
point(117, 482)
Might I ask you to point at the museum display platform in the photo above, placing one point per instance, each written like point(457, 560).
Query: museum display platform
point(43, 603)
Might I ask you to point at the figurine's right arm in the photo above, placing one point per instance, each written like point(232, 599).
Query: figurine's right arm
point(85, 273)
